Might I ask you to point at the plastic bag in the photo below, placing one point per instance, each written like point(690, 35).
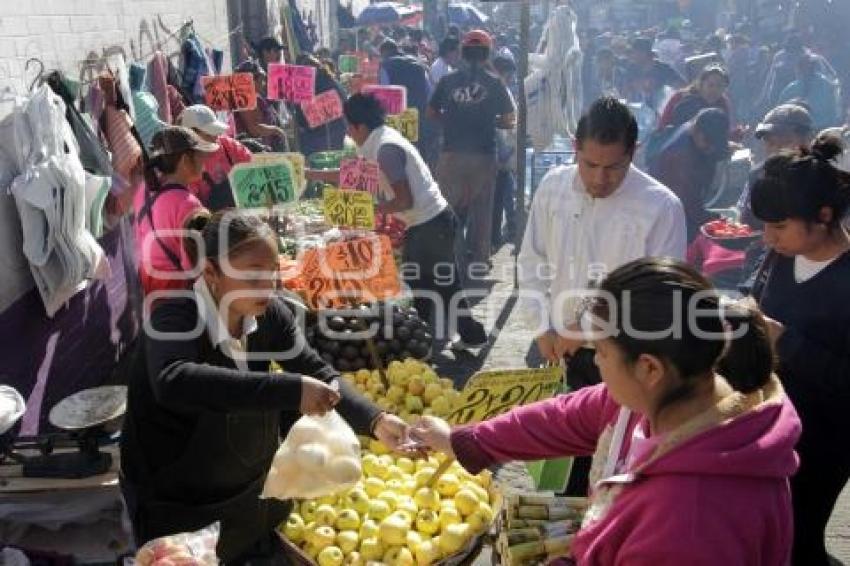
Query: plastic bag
point(184, 549)
point(320, 456)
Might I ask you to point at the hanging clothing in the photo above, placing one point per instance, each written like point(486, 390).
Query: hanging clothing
point(51, 202)
point(195, 65)
point(157, 85)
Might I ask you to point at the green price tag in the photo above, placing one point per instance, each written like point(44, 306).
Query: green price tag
point(258, 186)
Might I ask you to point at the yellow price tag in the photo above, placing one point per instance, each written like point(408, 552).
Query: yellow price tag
point(407, 123)
point(491, 393)
point(349, 208)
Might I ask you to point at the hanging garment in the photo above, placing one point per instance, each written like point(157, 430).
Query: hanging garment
point(157, 83)
point(50, 198)
point(116, 127)
point(195, 65)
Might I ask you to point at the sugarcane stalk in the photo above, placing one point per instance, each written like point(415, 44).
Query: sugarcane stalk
point(529, 550)
point(539, 532)
point(547, 512)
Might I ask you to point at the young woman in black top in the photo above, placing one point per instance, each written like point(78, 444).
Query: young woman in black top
point(205, 416)
point(804, 287)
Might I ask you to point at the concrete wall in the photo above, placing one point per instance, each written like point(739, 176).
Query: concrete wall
point(62, 33)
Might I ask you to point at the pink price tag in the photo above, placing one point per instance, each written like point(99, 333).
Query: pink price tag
point(293, 83)
point(392, 97)
point(358, 174)
point(322, 109)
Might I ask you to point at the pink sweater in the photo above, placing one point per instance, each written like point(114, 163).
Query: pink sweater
point(713, 492)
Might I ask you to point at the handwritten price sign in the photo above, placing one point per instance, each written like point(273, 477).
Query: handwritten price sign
point(323, 109)
point(262, 185)
point(392, 97)
point(354, 209)
point(297, 160)
point(358, 174)
point(491, 393)
point(349, 63)
point(293, 83)
point(407, 123)
point(230, 92)
point(344, 273)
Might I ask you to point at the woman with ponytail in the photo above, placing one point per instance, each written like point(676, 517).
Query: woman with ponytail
point(691, 434)
point(176, 161)
point(205, 413)
point(804, 289)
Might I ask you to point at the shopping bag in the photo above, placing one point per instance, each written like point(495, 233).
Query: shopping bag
point(320, 456)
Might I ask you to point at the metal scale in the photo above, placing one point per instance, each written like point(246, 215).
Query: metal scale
point(73, 453)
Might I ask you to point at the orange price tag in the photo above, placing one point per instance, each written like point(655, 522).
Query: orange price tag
point(230, 92)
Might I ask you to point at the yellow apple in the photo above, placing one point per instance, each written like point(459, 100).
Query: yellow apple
point(416, 386)
point(395, 393)
point(330, 556)
point(399, 556)
point(486, 511)
point(308, 511)
point(426, 553)
point(294, 528)
point(479, 491)
point(369, 529)
point(448, 485)
point(466, 501)
point(441, 406)
point(424, 474)
point(326, 515)
point(374, 486)
point(396, 486)
point(394, 529)
point(323, 536)
point(348, 541)
point(408, 487)
point(454, 537)
point(427, 498)
point(379, 509)
point(413, 539)
point(447, 383)
point(395, 473)
point(414, 404)
point(347, 520)
point(427, 522)
point(407, 505)
point(406, 465)
point(357, 499)
point(312, 551)
point(354, 559)
point(449, 516)
point(371, 549)
point(432, 391)
point(326, 500)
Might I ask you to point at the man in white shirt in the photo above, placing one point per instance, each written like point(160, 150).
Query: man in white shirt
point(447, 61)
point(588, 219)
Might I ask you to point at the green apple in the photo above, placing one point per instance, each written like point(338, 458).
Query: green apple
point(466, 502)
point(326, 515)
point(427, 498)
point(454, 537)
point(395, 394)
point(294, 528)
point(441, 406)
point(323, 536)
point(371, 549)
point(379, 509)
point(348, 520)
point(348, 541)
point(427, 522)
point(357, 499)
point(331, 556)
point(369, 529)
point(393, 529)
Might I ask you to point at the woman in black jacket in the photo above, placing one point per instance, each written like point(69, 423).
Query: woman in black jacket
point(205, 416)
point(803, 288)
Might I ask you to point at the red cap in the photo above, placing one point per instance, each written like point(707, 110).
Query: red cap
point(477, 38)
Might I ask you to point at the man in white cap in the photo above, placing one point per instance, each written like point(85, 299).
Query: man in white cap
point(214, 189)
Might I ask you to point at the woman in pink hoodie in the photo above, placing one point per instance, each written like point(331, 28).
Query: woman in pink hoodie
point(691, 434)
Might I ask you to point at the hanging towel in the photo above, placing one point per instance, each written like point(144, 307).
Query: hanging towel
point(158, 83)
point(195, 66)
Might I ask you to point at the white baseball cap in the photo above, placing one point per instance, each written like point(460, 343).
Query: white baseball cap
point(201, 117)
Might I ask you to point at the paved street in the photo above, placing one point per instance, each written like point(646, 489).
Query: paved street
point(512, 338)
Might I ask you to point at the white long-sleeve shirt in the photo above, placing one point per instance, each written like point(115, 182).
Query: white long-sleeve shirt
point(573, 239)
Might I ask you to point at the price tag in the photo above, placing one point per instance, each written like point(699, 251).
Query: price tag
point(230, 92)
point(293, 83)
point(491, 393)
point(323, 109)
point(407, 123)
point(392, 97)
point(297, 160)
point(262, 185)
point(354, 209)
point(358, 270)
point(358, 174)
point(349, 63)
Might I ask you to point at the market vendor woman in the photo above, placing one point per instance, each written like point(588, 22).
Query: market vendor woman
point(204, 414)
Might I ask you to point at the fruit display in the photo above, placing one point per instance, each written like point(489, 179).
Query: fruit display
point(390, 516)
point(184, 549)
point(320, 455)
point(728, 233)
point(340, 340)
point(538, 527)
point(414, 390)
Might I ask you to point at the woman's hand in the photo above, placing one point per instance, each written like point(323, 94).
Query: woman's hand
point(434, 433)
point(391, 431)
point(317, 397)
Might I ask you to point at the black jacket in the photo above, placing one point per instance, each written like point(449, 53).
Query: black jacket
point(200, 435)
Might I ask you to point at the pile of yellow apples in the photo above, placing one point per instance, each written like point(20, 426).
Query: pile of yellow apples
point(414, 390)
point(391, 517)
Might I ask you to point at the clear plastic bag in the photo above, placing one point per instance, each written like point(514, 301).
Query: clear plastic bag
point(320, 456)
point(184, 549)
